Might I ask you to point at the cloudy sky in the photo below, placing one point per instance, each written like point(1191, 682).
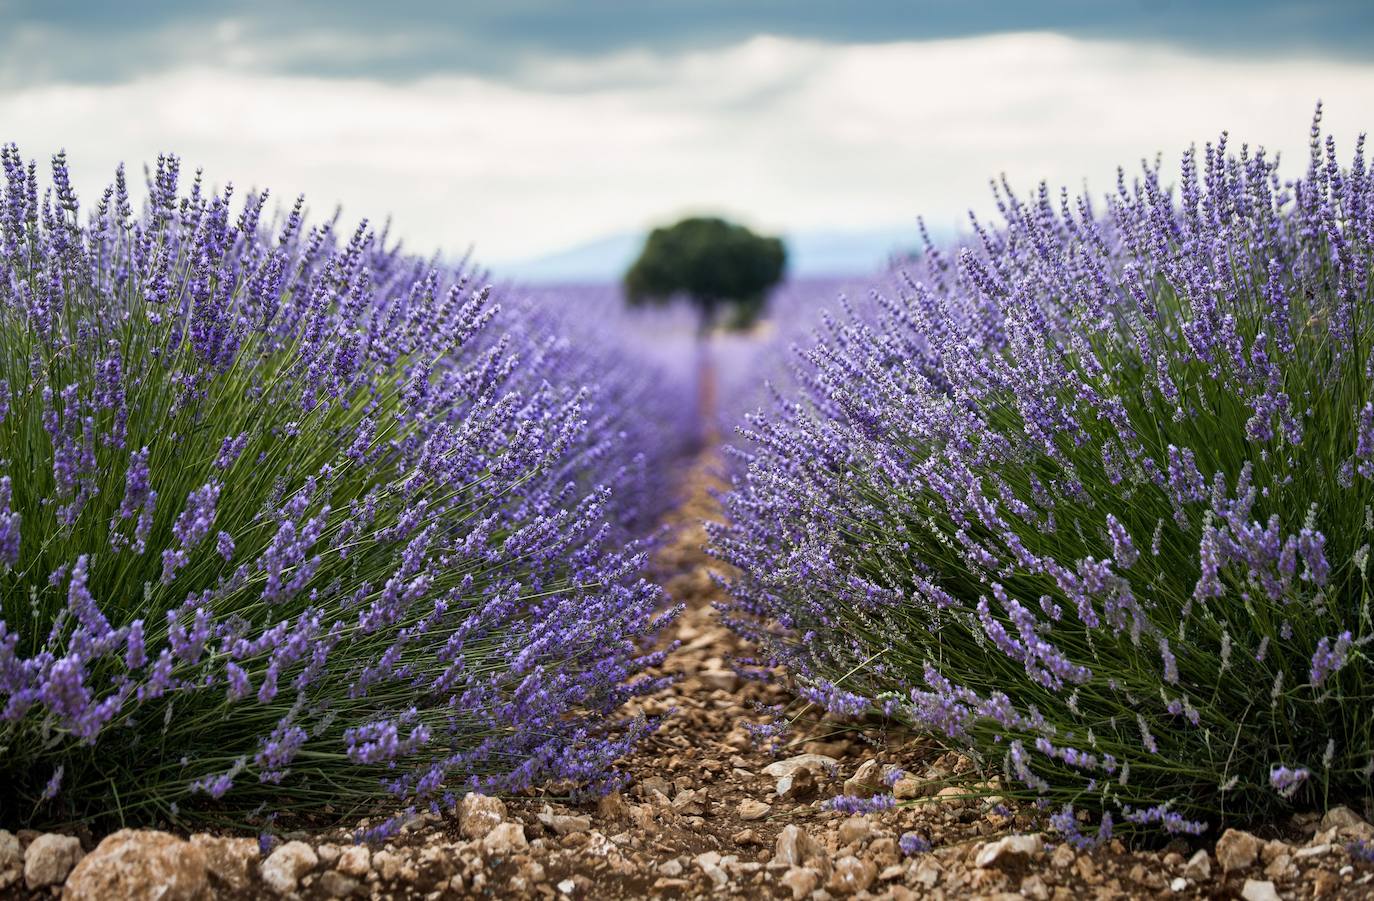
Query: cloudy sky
point(525, 127)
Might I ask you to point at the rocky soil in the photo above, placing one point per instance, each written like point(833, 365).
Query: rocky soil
point(710, 813)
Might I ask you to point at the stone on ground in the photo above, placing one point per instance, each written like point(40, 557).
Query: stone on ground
point(140, 865)
point(750, 809)
point(866, 782)
point(11, 859)
point(285, 866)
point(1009, 849)
point(564, 824)
point(1199, 866)
point(355, 861)
point(230, 862)
point(49, 858)
point(479, 814)
point(1237, 850)
point(851, 875)
point(504, 840)
point(1258, 890)
point(779, 768)
point(801, 880)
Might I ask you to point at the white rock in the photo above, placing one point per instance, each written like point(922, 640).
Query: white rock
point(1033, 887)
point(708, 859)
point(1199, 867)
point(866, 781)
point(49, 859)
point(1179, 884)
point(796, 785)
point(670, 867)
point(231, 861)
point(140, 865)
point(689, 801)
point(851, 875)
point(388, 864)
point(801, 880)
point(567, 886)
point(284, 867)
point(908, 787)
point(1280, 867)
point(1237, 850)
point(722, 679)
point(1341, 818)
point(564, 824)
point(355, 860)
point(479, 814)
point(779, 768)
point(924, 871)
point(952, 796)
point(1259, 890)
point(794, 846)
point(505, 839)
point(749, 809)
point(1012, 847)
point(855, 829)
point(11, 859)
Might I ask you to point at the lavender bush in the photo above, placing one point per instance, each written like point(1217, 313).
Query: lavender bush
point(640, 362)
point(288, 524)
point(751, 367)
point(1091, 498)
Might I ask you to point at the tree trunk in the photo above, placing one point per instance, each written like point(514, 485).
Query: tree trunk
point(707, 425)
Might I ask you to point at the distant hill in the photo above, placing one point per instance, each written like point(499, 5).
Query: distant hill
point(811, 254)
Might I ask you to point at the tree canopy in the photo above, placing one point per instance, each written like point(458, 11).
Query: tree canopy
point(718, 265)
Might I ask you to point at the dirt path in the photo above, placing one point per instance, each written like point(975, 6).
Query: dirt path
point(700, 816)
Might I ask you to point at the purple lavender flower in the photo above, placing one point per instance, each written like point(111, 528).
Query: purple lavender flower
point(913, 843)
point(1364, 441)
point(224, 545)
point(54, 784)
point(9, 526)
point(852, 804)
point(1329, 658)
point(1286, 781)
point(1362, 849)
point(1123, 551)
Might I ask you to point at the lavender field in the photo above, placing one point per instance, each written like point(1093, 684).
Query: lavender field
point(1021, 553)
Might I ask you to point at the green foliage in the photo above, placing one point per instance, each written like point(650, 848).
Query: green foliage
point(718, 265)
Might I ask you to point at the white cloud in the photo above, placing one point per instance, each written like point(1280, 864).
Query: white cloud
point(789, 134)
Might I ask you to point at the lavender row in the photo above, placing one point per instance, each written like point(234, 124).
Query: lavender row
point(294, 522)
point(1090, 496)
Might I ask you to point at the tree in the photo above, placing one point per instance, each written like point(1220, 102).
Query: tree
point(718, 265)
